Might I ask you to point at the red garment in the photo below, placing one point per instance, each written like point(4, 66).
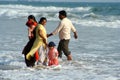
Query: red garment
point(53, 57)
point(30, 22)
point(36, 55)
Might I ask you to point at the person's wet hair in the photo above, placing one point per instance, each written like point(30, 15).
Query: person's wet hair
point(32, 17)
point(41, 19)
point(63, 12)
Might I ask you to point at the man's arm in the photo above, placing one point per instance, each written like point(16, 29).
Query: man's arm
point(74, 31)
point(60, 26)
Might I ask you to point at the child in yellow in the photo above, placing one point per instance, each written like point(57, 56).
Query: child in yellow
point(41, 38)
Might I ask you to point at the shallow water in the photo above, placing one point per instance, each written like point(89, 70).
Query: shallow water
point(96, 54)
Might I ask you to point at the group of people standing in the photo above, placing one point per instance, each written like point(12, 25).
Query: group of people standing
point(38, 39)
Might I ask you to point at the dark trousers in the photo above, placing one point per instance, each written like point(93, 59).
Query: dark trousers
point(27, 48)
point(63, 46)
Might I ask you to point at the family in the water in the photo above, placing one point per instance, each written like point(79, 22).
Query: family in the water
point(38, 50)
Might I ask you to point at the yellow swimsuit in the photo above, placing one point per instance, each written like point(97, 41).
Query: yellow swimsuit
point(38, 41)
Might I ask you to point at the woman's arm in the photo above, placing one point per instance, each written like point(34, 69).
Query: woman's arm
point(42, 36)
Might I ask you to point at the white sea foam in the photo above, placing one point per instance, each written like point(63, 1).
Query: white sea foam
point(79, 15)
point(98, 23)
point(95, 53)
point(23, 10)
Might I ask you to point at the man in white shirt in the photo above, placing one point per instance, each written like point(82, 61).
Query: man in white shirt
point(64, 28)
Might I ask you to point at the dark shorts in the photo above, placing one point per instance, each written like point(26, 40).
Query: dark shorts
point(63, 46)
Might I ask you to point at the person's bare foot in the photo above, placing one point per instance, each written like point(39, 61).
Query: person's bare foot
point(69, 57)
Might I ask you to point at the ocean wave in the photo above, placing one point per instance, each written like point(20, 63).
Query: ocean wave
point(79, 15)
point(98, 23)
point(93, 15)
point(14, 11)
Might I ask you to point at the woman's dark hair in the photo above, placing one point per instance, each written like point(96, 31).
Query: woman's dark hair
point(41, 19)
point(32, 17)
point(63, 12)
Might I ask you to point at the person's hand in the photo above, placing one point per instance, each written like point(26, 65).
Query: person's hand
point(48, 35)
point(28, 56)
point(75, 35)
point(45, 46)
point(30, 37)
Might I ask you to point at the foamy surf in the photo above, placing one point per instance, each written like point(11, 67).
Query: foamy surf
point(95, 53)
point(53, 67)
point(84, 16)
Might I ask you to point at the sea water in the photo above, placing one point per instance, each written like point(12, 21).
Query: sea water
point(96, 52)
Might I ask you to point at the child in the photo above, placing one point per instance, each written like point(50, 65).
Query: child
point(52, 54)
